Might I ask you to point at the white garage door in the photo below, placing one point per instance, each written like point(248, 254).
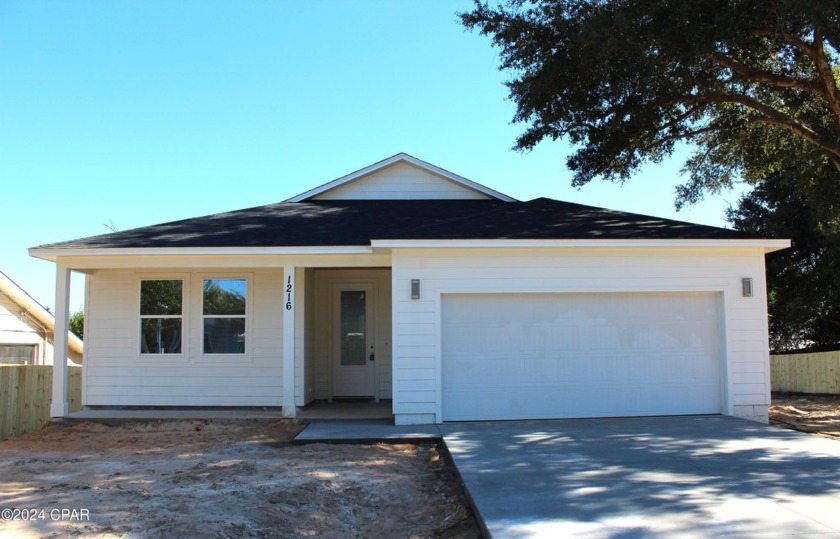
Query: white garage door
point(529, 356)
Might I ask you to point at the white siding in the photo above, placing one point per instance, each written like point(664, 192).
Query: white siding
point(400, 181)
point(417, 341)
point(116, 373)
point(323, 322)
point(16, 328)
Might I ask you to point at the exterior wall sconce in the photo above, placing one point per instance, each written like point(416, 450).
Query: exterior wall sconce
point(747, 287)
point(415, 289)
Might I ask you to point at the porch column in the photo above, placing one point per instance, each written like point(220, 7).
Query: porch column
point(58, 407)
point(289, 309)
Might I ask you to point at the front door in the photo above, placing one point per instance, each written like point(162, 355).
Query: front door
point(353, 337)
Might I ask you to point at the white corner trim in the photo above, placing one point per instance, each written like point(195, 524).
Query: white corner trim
point(402, 158)
point(53, 253)
point(768, 245)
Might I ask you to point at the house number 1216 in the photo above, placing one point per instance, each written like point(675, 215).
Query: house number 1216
point(289, 294)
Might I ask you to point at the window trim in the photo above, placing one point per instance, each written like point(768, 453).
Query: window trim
point(183, 355)
point(192, 339)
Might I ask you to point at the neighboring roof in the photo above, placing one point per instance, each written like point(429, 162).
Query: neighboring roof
point(393, 160)
point(38, 311)
point(359, 222)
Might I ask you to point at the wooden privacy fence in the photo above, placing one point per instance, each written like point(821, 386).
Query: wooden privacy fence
point(26, 394)
point(806, 373)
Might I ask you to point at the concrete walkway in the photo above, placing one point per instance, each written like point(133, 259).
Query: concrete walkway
point(346, 410)
point(366, 431)
point(651, 477)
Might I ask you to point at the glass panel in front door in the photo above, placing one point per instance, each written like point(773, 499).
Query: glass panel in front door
point(353, 327)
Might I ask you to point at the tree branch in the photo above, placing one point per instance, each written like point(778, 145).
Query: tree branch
point(816, 52)
point(771, 116)
point(832, 94)
point(797, 42)
point(684, 135)
point(832, 149)
point(679, 119)
point(755, 75)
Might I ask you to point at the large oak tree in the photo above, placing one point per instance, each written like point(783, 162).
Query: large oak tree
point(750, 83)
point(803, 281)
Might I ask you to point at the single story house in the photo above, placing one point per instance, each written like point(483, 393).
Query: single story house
point(27, 329)
point(404, 281)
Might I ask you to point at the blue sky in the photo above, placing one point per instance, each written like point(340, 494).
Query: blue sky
point(141, 112)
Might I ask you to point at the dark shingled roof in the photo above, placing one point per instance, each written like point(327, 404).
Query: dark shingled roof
point(357, 222)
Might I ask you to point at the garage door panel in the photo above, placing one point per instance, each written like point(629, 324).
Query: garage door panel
point(521, 356)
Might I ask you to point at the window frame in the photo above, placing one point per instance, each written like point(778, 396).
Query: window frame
point(33, 360)
point(205, 357)
point(183, 355)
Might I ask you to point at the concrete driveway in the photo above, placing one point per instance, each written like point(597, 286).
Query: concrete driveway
point(648, 477)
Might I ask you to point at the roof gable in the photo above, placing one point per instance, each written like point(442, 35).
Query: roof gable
point(401, 177)
point(37, 311)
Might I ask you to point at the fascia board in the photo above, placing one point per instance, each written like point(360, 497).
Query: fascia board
point(53, 253)
point(768, 245)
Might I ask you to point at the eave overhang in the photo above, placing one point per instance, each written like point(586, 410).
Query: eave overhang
point(51, 254)
point(768, 246)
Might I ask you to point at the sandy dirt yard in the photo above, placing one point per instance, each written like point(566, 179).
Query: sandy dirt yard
point(221, 479)
point(816, 414)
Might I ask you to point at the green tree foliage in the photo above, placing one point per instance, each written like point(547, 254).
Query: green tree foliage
point(751, 84)
point(224, 297)
point(77, 324)
point(803, 283)
point(163, 297)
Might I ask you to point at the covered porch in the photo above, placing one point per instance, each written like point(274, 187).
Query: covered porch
point(315, 411)
point(318, 340)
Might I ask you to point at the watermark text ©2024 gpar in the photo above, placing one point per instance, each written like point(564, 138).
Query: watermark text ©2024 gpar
point(54, 514)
